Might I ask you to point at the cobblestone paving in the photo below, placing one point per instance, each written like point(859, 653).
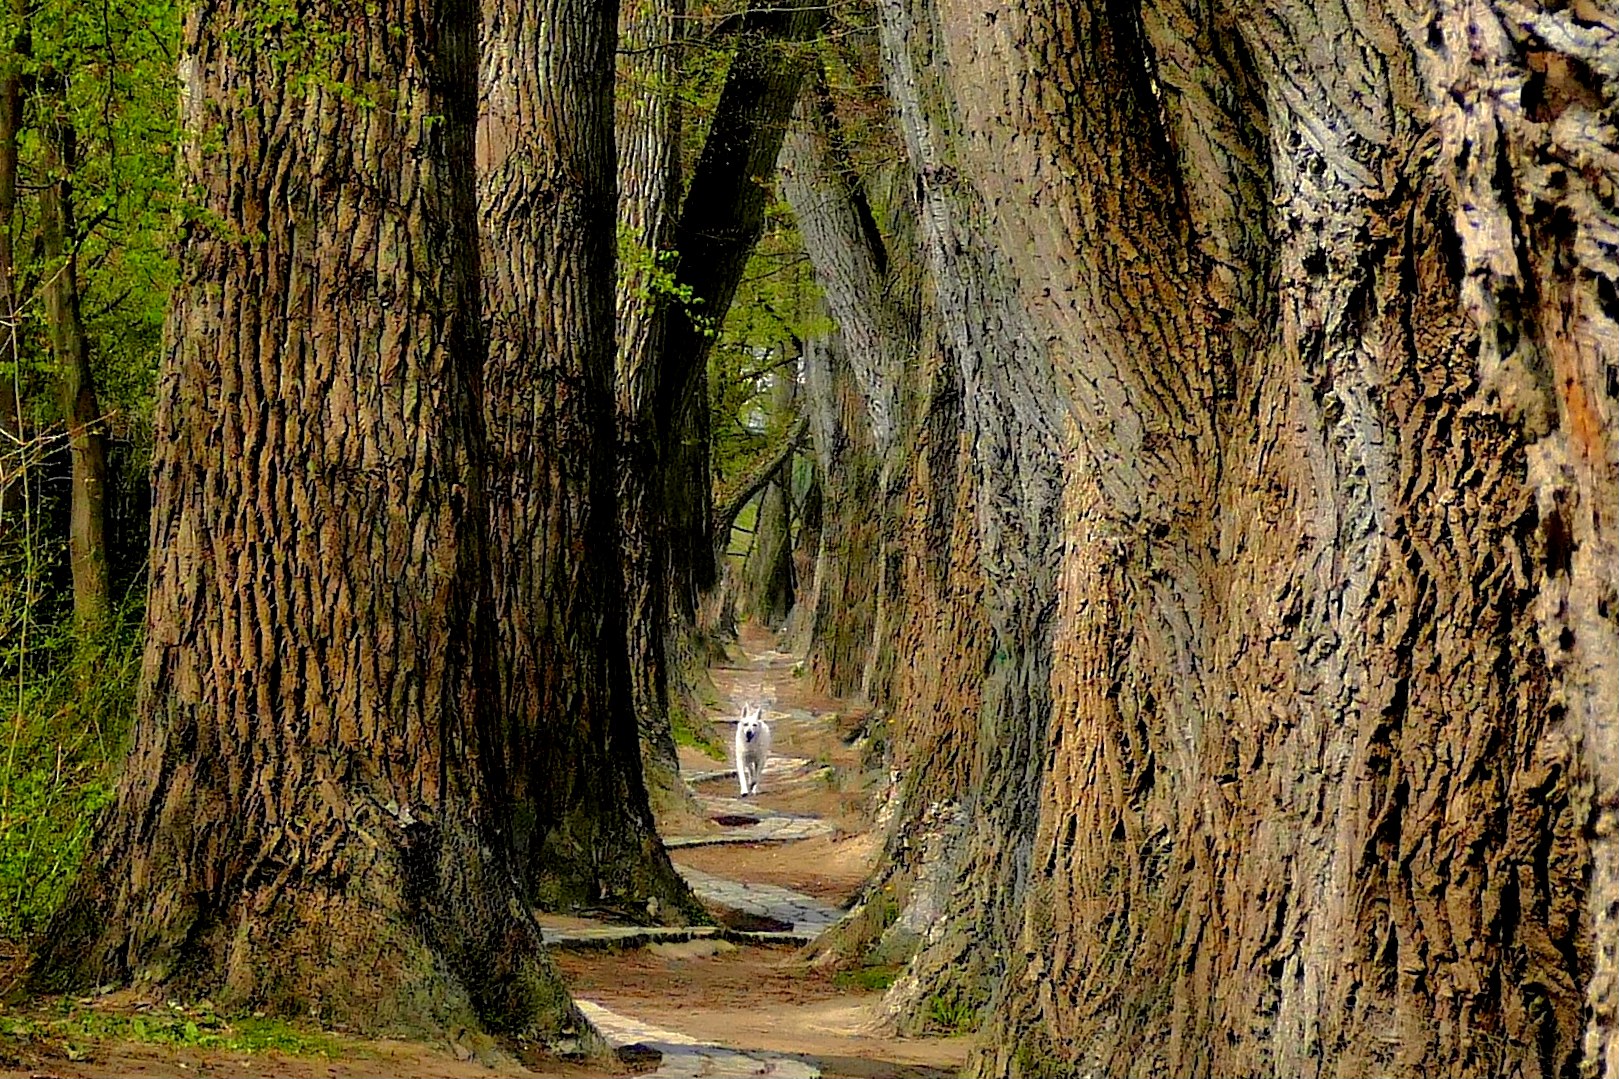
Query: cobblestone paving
point(781, 829)
point(806, 914)
point(687, 1058)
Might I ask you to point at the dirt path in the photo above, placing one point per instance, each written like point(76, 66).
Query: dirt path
point(717, 1002)
point(779, 867)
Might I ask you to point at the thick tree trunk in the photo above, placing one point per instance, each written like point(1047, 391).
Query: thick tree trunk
point(1302, 798)
point(302, 826)
point(87, 434)
point(1524, 100)
point(648, 127)
point(768, 584)
point(846, 581)
point(547, 205)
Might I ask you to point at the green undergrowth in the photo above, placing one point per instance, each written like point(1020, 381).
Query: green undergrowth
point(79, 1029)
point(873, 979)
point(67, 706)
point(951, 1014)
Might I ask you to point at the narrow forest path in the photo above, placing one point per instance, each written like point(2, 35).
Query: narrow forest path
point(719, 1002)
point(776, 870)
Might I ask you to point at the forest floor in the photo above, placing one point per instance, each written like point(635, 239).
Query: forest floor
point(732, 1001)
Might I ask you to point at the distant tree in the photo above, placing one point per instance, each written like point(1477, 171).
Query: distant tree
point(302, 825)
point(15, 50)
point(687, 258)
point(80, 409)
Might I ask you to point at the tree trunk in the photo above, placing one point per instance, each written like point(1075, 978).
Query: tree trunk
point(649, 124)
point(1279, 782)
point(87, 433)
point(846, 581)
point(768, 574)
point(547, 203)
point(1541, 256)
point(12, 455)
point(861, 280)
point(303, 826)
point(721, 220)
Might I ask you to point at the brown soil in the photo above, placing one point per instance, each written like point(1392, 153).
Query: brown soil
point(829, 868)
point(757, 998)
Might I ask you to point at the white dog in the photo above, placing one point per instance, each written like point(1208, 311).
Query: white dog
point(752, 748)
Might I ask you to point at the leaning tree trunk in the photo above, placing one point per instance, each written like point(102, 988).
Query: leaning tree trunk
point(302, 826)
point(721, 221)
point(846, 580)
point(547, 205)
point(87, 432)
point(1306, 787)
point(648, 129)
point(863, 283)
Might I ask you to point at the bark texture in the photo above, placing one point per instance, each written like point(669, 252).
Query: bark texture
point(1295, 782)
point(87, 431)
point(302, 826)
point(648, 137)
point(1525, 102)
point(547, 206)
point(863, 428)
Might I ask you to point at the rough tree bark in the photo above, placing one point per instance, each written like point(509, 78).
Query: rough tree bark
point(81, 412)
point(840, 627)
point(1525, 99)
point(866, 295)
point(547, 207)
point(302, 826)
point(1307, 794)
point(648, 130)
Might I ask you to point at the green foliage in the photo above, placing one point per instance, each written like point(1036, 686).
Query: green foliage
point(68, 704)
point(872, 979)
point(80, 1028)
point(951, 1014)
point(776, 309)
point(117, 60)
point(654, 272)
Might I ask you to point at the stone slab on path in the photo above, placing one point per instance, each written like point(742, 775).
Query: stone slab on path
point(687, 1058)
point(807, 915)
point(608, 937)
point(768, 830)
